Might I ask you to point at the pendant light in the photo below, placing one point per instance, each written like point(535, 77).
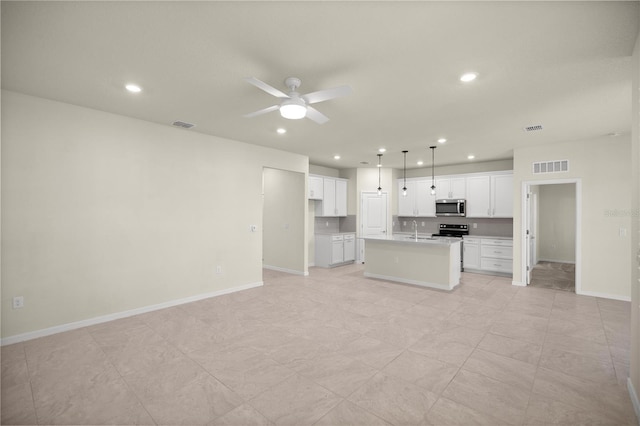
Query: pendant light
point(404, 188)
point(433, 181)
point(379, 167)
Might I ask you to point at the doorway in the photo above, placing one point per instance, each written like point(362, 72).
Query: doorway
point(283, 221)
point(551, 234)
point(373, 218)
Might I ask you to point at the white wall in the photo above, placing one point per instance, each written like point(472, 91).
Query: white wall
point(104, 213)
point(284, 222)
point(556, 232)
point(603, 166)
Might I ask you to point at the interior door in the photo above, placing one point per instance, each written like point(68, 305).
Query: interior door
point(530, 233)
point(374, 214)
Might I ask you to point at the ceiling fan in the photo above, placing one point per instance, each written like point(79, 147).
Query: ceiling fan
point(295, 106)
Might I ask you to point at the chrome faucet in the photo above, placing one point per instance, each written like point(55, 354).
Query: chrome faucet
point(415, 227)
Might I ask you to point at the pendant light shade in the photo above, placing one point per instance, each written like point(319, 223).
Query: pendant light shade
point(379, 167)
point(404, 188)
point(433, 180)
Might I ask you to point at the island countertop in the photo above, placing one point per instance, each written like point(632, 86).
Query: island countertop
point(411, 239)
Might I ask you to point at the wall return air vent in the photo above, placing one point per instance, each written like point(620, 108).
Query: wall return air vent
point(555, 166)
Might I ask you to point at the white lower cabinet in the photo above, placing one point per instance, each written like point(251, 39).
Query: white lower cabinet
point(490, 255)
point(335, 249)
point(471, 255)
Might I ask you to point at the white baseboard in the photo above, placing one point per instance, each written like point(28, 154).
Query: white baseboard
point(288, 271)
point(119, 315)
point(604, 295)
point(634, 399)
point(518, 283)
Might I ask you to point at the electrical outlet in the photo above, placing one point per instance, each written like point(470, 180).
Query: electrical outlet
point(475, 226)
point(218, 269)
point(18, 302)
point(326, 224)
point(422, 223)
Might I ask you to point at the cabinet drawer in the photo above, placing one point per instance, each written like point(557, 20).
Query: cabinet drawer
point(498, 265)
point(466, 240)
point(497, 242)
point(497, 251)
point(349, 237)
point(336, 238)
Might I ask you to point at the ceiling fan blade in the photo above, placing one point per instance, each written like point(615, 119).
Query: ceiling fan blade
point(267, 88)
point(262, 111)
point(316, 115)
point(324, 95)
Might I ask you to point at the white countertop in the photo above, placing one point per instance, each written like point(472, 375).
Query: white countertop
point(488, 236)
point(410, 239)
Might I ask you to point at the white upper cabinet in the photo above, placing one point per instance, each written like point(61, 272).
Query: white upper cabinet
point(418, 201)
point(478, 196)
point(450, 187)
point(334, 198)
point(490, 195)
point(502, 195)
point(407, 203)
point(316, 188)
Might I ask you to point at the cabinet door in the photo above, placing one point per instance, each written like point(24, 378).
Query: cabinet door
point(407, 204)
point(457, 188)
point(337, 252)
point(478, 196)
point(341, 198)
point(329, 198)
point(425, 202)
point(502, 195)
point(443, 189)
point(316, 187)
point(471, 256)
point(349, 249)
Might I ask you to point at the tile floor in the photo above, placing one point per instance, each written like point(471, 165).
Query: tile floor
point(554, 275)
point(335, 348)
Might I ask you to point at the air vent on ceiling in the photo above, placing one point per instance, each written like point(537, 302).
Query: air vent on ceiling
point(183, 124)
point(533, 128)
point(556, 166)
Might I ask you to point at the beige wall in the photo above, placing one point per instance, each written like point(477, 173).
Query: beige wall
point(634, 255)
point(104, 213)
point(603, 168)
point(284, 223)
point(454, 169)
point(556, 232)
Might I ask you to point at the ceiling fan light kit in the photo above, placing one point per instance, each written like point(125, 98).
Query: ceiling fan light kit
point(295, 106)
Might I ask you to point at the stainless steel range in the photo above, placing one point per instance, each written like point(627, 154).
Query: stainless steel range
point(451, 230)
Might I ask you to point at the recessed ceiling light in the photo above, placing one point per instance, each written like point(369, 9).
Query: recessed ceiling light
point(382, 150)
point(442, 140)
point(469, 76)
point(133, 88)
point(364, 162)
point(471, 156)
point(613, 134)
point(420, 163)
point(281, 131)
point(336, 157)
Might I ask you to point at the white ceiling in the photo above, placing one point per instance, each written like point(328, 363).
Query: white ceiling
point(565, 65)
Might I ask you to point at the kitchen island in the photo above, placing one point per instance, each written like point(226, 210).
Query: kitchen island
point(424, 261)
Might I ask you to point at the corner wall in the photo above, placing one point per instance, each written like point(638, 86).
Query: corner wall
point(104, 214)
point(603, 166)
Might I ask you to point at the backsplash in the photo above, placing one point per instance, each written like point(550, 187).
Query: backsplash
point(348, 223)
point(326, 225)
point(430, 225)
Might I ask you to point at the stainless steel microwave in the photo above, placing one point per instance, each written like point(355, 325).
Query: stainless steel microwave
point(451, 207)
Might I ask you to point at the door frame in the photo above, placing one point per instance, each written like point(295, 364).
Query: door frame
point(526, 188)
